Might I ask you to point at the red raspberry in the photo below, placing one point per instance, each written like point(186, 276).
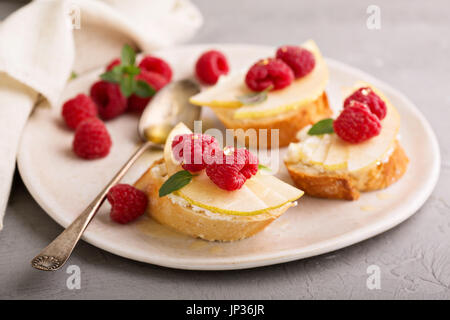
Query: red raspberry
point(78, 109)
point(232, 168)
point(127, 203)
point(195, 151)
point(113, 64)
point(109, 99)
point(371, 99)
point(154, 80)
point(300, 60)
point(269, 73)
point(210, 66)
point(356, 123)
point(91, 140)
point(157, 65)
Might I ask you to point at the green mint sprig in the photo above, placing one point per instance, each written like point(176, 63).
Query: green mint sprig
point(253, 98)
point(322, 127)
point(175, 182)
point(125, 75)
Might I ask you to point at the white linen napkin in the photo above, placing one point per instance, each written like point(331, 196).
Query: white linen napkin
point(44, 41)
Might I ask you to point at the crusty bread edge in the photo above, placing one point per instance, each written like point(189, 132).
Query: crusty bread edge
point(212, 227)
point(288, 123)
point(348, 186)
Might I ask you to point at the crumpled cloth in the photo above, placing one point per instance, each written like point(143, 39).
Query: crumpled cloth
point(42, 43)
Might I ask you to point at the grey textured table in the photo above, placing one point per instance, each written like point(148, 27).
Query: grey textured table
point(410, 52)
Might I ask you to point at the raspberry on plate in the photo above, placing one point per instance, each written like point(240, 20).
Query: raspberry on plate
point(371, 99)
point(357, 123)
point(194, 151)
point(232, 167)
point(127, 203)
point(210, 66)
point(154, 80)
point(268, 73)
point(109, 99)
point(77, 109)
point(113, 64)
point(91, 140)
point(157, 65)
point(300, 60)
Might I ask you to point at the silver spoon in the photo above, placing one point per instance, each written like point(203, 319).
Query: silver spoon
point(169, 107)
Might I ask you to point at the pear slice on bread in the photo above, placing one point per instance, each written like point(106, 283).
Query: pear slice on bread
point(348, 169)
point(288, 110)
point(204, 210)
point(301, 92)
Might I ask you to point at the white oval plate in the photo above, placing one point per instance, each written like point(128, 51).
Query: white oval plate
point(63, 185)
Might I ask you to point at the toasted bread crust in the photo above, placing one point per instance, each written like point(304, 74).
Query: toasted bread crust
point(288, 123)
point(323, 186)
point(199, 224)
point(348, 187)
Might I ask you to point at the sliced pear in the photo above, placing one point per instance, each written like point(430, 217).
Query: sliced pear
point(320, 154)
point(301, 92)
point(337, 155)
point(272, 190)
point(264, 192)
point(309, 147)
point(203, 193)
point(259, 194)
point(369, 152)
point(224, 94)
point(172, 164)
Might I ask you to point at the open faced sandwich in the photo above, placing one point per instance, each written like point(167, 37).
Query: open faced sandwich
point(358, 151)
point(286, 93)
point(216, 194)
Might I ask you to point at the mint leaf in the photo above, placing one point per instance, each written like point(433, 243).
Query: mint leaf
point(143, 89)
point(263, 167)
point(254, 97)
point(111, 76)
point(131, 70)
point(322, 127)
point(125, 76)
point(118, 70)
point(128, 56)
point(127, 85)
point(175, 182)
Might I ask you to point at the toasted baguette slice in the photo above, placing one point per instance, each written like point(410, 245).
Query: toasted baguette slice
point(182, 217)
point(288, 123)
point(348, 185)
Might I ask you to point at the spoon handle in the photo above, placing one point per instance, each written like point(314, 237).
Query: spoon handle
point(59, 250)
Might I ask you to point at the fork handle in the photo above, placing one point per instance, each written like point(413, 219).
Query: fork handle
point(59, 250)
